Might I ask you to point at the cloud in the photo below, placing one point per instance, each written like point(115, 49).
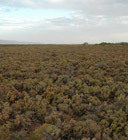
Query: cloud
point(14, 23)
point(76, 29)
point(87, 20)
point(91, 7)
point(1, 9)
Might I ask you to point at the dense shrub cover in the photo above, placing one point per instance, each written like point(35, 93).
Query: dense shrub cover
point(64, 92)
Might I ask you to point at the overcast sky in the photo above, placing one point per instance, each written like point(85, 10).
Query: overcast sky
point(64, 21)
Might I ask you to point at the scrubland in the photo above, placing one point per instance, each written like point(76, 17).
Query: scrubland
point(63, 92)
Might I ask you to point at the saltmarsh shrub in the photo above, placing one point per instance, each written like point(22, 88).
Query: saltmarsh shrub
point(46, 131)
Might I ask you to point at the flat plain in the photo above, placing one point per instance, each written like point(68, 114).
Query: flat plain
point(63, 92)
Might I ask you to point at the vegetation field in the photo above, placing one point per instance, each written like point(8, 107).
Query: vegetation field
point(63, 92)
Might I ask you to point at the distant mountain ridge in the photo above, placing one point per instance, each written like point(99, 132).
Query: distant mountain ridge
point(14, 42)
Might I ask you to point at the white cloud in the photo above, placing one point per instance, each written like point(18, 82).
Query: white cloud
point(14, 23)
point(1, 9)
point(95, 7)
point(88, 20)
point(66, 30)
point(55, 1)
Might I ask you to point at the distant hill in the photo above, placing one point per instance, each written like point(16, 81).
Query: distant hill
point(14, 42)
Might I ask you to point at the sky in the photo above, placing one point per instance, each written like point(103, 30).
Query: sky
point(64, 21)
